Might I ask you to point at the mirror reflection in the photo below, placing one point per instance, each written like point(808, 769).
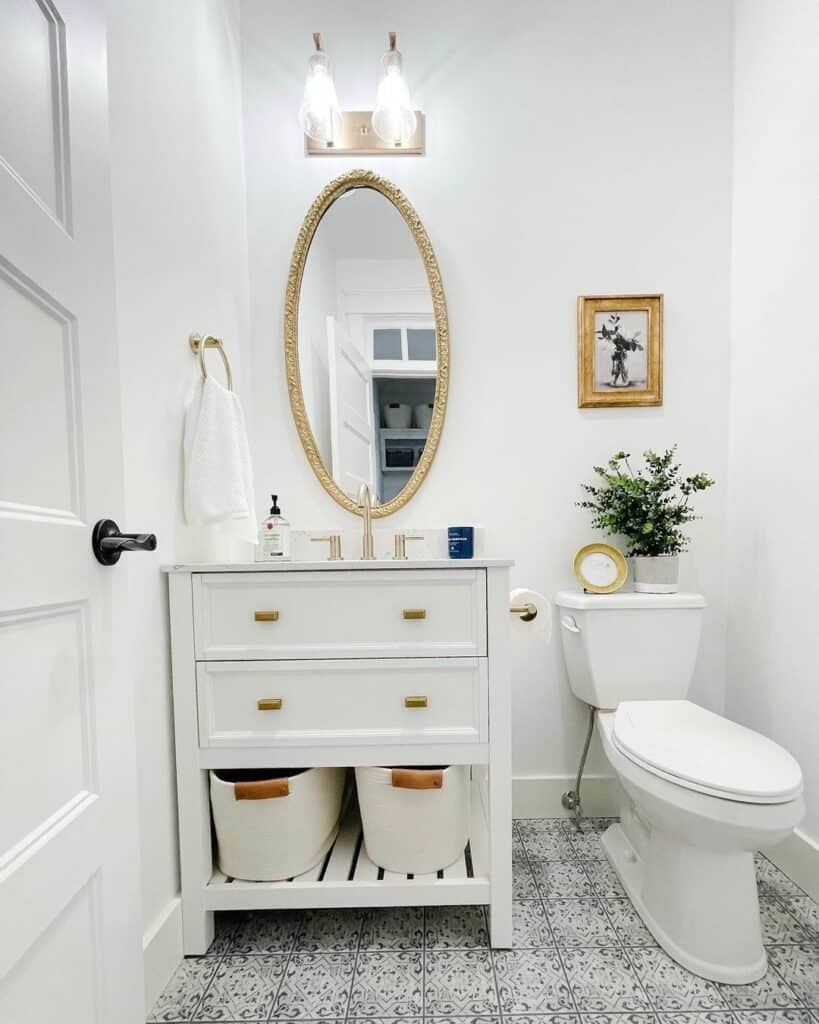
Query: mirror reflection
point(367, 345)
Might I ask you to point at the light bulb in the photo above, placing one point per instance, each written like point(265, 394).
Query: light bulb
point(319, 115)
point(393, 118)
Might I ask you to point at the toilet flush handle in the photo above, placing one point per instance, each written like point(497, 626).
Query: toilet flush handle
point(568, 622)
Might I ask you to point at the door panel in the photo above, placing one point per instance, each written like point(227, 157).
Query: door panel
point(351, 428)
point(68, 813)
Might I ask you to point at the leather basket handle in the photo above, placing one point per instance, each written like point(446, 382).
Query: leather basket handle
point(414, 778)
point(264, 789)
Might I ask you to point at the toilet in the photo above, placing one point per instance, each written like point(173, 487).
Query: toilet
point(700, 793)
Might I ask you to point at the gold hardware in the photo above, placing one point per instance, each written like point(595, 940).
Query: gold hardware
point(333, 191)
point(335, 546)
point(198, 345)
point(365, 504)
point(527, 611)
point(271, 616)
point(356, 139)
point(416, 702)
point(269, 704)
point(415, 613)
point(401, 539)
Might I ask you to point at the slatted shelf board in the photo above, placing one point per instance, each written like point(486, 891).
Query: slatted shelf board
point(346, 877)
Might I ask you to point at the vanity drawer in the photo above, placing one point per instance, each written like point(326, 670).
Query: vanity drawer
point(301, 703)
point(343, 614)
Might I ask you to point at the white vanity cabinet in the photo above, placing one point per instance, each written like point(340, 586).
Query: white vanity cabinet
point(323, 663)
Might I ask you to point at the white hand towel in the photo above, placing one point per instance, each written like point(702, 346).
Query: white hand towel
point(218, 473)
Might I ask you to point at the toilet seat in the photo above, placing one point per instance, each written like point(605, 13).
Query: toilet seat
point(696, 749)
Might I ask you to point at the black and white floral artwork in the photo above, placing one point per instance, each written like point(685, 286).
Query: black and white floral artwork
point(620, 350)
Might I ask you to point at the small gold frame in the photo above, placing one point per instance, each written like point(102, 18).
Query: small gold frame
point(601, 549)
point(323, 202)
point(589, 396)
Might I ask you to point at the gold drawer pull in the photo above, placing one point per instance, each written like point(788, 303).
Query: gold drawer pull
point(270, 704)
point(415, 613)
point(272, 616)
point(416, 702)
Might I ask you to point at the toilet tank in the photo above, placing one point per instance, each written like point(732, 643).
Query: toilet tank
point(629, 646)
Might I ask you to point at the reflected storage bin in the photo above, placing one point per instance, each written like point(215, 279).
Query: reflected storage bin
point(271, 825)
point(415, 820)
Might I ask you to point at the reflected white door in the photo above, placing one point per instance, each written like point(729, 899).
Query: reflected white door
point(352, 439)
point(70, 949)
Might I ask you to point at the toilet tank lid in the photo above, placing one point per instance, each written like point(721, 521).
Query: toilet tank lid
point(579, 599)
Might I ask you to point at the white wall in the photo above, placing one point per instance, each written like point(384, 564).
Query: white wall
point(773, 679)
point(181, 265)
point(572, 148)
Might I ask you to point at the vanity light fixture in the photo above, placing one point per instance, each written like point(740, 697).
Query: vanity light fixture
point(392, 129)
point(394, 120)
point(319, 115)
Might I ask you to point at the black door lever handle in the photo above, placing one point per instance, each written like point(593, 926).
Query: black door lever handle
point(108, 543)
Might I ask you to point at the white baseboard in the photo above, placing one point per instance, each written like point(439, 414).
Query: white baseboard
point(538, 796)
point(162, 951)
point(798, 857)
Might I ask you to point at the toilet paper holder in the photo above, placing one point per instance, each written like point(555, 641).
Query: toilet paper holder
point(527, 612)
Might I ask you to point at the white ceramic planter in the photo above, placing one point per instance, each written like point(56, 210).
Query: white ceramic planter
point(659, 574)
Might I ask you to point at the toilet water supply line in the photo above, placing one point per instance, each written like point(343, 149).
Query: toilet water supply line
point(571, 800)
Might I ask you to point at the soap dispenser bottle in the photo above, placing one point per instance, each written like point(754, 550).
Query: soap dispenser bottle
point(274, 535)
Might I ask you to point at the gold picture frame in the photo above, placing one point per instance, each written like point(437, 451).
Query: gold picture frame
point(606, 551)
point(620, 351)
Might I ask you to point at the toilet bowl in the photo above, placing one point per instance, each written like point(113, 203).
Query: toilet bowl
point(684, 847)
point(700, 793)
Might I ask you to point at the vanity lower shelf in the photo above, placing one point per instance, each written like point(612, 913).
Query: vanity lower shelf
point(348, 878)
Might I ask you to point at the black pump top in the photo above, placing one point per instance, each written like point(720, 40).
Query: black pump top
point(275, 510)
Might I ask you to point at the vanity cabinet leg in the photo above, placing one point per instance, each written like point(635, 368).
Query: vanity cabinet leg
point(500, 760)
point(197, 929)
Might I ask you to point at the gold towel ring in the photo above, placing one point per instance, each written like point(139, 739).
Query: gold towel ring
point(198, 344)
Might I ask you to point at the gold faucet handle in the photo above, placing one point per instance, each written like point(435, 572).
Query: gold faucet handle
point(334, 541)
point(400, 553)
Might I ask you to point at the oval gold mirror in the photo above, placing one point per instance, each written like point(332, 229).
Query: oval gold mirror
point(366, 342)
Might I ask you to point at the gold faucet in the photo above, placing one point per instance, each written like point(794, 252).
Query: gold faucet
point(365, 503)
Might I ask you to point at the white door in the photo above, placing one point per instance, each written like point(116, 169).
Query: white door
point(352, 439)
point(70, 949)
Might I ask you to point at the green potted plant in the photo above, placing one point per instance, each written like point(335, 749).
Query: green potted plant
point(649, 507)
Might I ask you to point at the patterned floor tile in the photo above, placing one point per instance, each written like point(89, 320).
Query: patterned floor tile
point(769, 993)
point(806, 912)
point(459, 982)
point(184, 992)
point(326, 931)
point(393, 928)
point(799, 966)
point(707, 1017)
point(603, 980)
point(456, 928)
point(587, 845)
point(388, 985)
point(627, 923)
point(265, 931)
point(671, 987)
point(244, 989)
point(523, 884)
point(462, 1020)
point(779, 926)
point(604, 878)
point(622, 1018)
point(316, 986)
point(566, 879)
point(527, 827)
point(772, 881)
point(549, 846)
point(580, 922)
point(774, 1017)
point(530, 926)
point(226, 922)
point(532, 981)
